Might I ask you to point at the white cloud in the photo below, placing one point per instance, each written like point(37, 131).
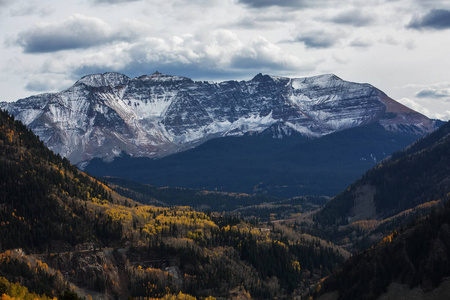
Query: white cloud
point(340, 59)
point(390, 40)
point(415, 105)
point(261, 54)
point(219, 53)
point(46, 83)
point(114, 1)
point(36, 7)
point(432, 108)
point(410, 44)
point(361, 42)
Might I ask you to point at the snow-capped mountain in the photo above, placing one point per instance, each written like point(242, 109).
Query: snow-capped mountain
point(102, 115)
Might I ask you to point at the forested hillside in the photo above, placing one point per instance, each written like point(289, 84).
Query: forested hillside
point(411, 192)
point(86, 239)
point(418, 257)
point(42, 194)
point(411, 182)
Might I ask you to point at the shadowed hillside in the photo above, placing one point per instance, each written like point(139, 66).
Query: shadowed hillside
point(417, 257)
point(413, 180)
point(413, 260)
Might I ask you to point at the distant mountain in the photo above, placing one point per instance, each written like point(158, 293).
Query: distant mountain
point(103, 115)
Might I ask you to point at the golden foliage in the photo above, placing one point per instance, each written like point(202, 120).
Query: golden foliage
point(13, 291)
point(365, 225)
point(389, 238)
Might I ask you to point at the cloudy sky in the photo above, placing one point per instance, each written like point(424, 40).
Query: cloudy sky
point(400, 46)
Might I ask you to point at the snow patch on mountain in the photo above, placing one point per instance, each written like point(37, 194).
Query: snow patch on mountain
point(253, 123)
point(111, 79)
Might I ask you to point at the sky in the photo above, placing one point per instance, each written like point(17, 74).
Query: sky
point(401, 47)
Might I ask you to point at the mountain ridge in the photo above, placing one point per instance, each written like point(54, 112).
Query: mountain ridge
point(154, 115)
point(279, 161)
point(408, 184)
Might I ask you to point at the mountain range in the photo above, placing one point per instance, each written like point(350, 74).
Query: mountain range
point(103, 115)
point(272, 135)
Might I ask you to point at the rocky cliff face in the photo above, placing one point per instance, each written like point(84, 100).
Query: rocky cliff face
point(102, 115)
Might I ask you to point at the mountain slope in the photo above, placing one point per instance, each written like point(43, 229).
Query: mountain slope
point(412, 262)
point(416, 175)
point(391, 194)
point(34, 180)
point(288, 165)
point(79, 233)
point(417, 257)
point(102, 115)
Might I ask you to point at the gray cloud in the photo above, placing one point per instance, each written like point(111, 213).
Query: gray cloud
point(5, 2)
point(319, 39)
point(434, 93)
point(283, 3)
point(267, 3)
point(35, 86)
point(353, 17)
point(262, 21)
point(114, 1)
point(76, 32)
point(435, 19)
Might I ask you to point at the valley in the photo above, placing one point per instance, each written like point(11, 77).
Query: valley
point(266, 211)
point(224, 150)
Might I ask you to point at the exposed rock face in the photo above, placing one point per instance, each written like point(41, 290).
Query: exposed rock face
point(102, 115)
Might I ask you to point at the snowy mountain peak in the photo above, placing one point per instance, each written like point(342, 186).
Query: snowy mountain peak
point(321, 80)
point(112, 79)
point(329, 76)
point(159, 77)
point(155, 115)
point(262, 78)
